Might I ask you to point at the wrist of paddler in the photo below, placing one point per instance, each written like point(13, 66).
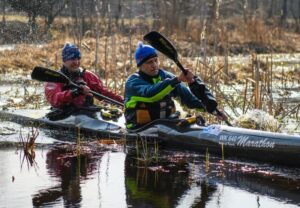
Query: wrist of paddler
point(220, 115)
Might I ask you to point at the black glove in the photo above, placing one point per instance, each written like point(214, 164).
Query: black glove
point(199, 89)
point(76, 92)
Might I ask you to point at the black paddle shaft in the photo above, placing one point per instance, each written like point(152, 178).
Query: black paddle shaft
point(48, 75)
point(162, 44)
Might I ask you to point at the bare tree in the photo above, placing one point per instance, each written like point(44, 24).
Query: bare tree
point(32, 8)
point(3, 12)
point(295, 11)
point(50, 10)
point(284, 13)
point(270, 9)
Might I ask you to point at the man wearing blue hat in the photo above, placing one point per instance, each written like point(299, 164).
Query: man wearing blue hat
point(149, 92)
point(63, 96)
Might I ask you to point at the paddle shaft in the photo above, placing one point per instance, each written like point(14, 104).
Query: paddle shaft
point(180, 66)
point(99, 95)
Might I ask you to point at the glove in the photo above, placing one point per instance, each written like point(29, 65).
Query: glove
point(76, 92)
point(80, 82)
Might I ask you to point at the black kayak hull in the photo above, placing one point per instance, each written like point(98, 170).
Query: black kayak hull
point(229, 142)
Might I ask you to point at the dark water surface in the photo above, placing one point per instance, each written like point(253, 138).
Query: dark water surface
point(111, 176)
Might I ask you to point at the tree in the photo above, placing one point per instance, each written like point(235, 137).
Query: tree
point(284, 13)
point(32, 8)
point(3, 12)
point(49, 9)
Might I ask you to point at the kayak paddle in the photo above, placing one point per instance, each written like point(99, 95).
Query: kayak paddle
point(162, 44)
point(48, 75)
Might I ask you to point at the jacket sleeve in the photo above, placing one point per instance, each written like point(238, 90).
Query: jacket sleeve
point(188, 99)
point(96, 84)
point(55, 96)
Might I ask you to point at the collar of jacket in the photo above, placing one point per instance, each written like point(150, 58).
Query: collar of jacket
point(148, 78)
point(74, 75)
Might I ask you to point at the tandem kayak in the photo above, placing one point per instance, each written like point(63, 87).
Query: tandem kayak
point(225, 141)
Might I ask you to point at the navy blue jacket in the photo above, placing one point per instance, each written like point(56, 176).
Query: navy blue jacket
point(141, 88)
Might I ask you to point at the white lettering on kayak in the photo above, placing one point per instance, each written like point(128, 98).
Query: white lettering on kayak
point(245, 141)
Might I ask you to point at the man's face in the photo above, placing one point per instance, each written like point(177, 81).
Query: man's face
point(150, 67)
point(72, 65)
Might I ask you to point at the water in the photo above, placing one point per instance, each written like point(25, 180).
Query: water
point(7, 47)
point(110, 176)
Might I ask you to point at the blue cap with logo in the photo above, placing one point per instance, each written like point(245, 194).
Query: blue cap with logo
point(143, 53)
point(70, 51)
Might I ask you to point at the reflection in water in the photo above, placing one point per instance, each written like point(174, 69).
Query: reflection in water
point(264, 182)
point(98, 176)
point(197, 196)
point(111, 185)
point(170, 186)
point(186, 183)
point(105, 178)
point(70, 169)
point(189, 197)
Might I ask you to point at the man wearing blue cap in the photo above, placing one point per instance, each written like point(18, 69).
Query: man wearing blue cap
point(149, 92)
point(63, 96)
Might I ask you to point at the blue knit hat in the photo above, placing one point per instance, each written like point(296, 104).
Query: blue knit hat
point(143, 53)
point(70, 51)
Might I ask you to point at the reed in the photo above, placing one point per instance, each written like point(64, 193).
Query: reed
point(206, 161)
point(28, 145)
point(145, 152)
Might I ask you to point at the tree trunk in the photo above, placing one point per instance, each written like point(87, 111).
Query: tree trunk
point(245, 11)
point(32, 24)
point(3, 13)
point(284, 12)
point(270, 10)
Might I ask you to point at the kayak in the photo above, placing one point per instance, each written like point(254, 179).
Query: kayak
point(229, 142)
point(222, 140)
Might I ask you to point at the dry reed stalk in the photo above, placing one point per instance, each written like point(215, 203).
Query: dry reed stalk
point(106, 60)
point(245, 94)
point(28, 145)
point(269, 87)
point(114, 62)
point(226, 70)
point(256, 77)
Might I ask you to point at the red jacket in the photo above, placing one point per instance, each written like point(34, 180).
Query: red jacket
point(58, 97)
